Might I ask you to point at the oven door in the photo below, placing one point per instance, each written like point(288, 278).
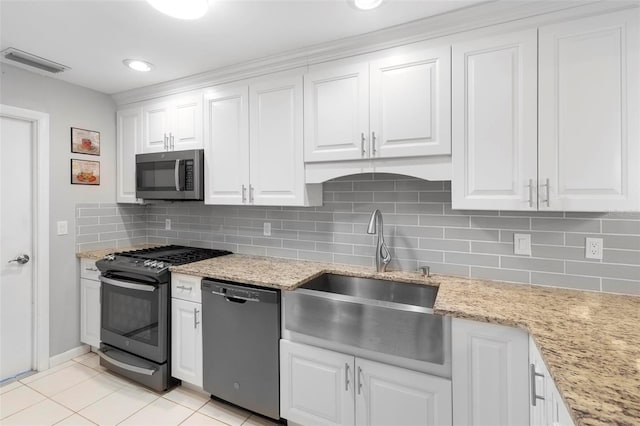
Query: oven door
point(134, 315)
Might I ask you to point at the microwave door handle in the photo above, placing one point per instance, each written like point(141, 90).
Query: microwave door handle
point(177, 175)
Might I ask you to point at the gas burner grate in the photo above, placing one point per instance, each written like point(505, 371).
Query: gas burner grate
point(175, 255)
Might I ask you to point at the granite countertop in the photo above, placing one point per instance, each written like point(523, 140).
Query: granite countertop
point(590, 341)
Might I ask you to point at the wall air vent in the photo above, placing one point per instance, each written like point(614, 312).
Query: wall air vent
point(24, 58)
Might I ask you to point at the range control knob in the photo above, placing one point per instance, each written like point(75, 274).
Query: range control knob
point(160, 265)
point(147, 263)
point(110, 257)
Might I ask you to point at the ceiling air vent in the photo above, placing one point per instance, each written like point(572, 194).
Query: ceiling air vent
point(16, 55)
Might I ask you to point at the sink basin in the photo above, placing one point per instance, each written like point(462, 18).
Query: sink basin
point(383, 316)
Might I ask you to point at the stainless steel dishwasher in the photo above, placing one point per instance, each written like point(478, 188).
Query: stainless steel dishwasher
point(241, 333)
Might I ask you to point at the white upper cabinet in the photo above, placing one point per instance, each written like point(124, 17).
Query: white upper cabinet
point(226, 148)
point(589, 85)
point(276, 142)
point(128, 144)
point(395, 106)
point(494, 122)
point(173, 125)
point(490, 374)
point(254, 144)
point(410, 104)
point(336, 112)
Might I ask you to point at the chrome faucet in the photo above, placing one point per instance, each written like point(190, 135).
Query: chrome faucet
point(383, 256)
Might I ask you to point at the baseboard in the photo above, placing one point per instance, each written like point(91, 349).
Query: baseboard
point(68, 355)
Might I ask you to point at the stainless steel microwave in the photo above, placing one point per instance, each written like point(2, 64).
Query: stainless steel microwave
point(173, 175)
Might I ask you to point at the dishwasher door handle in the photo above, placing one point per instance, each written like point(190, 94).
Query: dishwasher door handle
point(228, 297)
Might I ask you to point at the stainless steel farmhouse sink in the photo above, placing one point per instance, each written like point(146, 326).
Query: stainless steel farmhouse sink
point(383, 316)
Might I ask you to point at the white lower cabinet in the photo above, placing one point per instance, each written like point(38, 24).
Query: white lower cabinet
point(322, 387)
point(490, 374)
point(89, 303)
point(547, 406)
point(186, 329)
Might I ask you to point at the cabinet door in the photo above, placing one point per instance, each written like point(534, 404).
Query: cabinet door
point(156, 121)
point(540, 412)
point(186, 341)
point(559, 414)
point(316, 385)
point(186, 129)
point(411, 104)
point(589, 93)
point(387, 395)
point(90, 312)
point(490, 374)
point(494, 138)
point(226, 148)
point(128, 144)
point(275, 142)
point(336, 112)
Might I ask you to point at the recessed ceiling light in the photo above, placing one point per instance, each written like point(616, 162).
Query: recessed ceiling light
point(181, 9)
point(138, 65)
point(367, 4)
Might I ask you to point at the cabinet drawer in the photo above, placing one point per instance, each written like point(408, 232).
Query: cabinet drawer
point(186, 287)
point(89, 270)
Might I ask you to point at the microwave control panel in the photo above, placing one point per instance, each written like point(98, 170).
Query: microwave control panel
point(188, 175)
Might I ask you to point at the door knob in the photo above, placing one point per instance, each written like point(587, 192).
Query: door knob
point(21, 259)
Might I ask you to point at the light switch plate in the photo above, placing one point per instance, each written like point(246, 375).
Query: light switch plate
point(63, 227)
point(267, 229)
point(522, 244)
point(167, 224)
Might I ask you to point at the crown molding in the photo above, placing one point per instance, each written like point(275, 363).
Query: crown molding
point(462, 20)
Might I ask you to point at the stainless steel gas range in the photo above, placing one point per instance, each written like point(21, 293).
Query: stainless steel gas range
point(135, 311)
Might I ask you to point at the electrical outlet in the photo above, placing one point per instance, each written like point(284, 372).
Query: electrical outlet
point(63, 227)
point(522, 244)
point(267, 229)
point(593, 248)
point(167, 224)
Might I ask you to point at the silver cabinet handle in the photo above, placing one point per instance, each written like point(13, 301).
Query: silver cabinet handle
point(362, 140)
point(195, 317)
point(133, 368)
point(534, 394)
point(21, 259)
point(172, 144)
point(346, 376)
point(182, 287)
point(546, 184)
point(244, 193)
point(359, 380)
point(530, 186)
point(177, 175)
point(166, 143)
point(373, 143)
point(91, 269)
point(250, 193)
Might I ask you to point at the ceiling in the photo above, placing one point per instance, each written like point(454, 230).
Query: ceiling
point(92, 37)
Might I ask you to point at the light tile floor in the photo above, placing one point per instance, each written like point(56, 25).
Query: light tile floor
point(81, 392)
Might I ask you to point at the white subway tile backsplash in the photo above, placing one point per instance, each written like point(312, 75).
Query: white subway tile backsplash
point(420, 229)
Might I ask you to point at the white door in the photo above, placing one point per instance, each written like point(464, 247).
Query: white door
point(490, 374)
point(16, 284)
point(226, 147)
point(186, 341)
point(316, 385)
point(387, 395)
point(411, 104)
point(336, 112)
point(156, 121)
point(589, 96)
point(90, 312)
point(128, 144)
point(275, 142)
point(494, 137)
point(186, 129)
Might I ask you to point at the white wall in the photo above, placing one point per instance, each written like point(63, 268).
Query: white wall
point(68, 106)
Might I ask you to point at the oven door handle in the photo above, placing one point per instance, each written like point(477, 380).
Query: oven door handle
point(177, 175)
point(132, 368)
point(128, 285)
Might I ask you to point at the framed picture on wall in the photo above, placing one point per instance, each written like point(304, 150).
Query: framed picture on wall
point(85, 141)
point(85, 172)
